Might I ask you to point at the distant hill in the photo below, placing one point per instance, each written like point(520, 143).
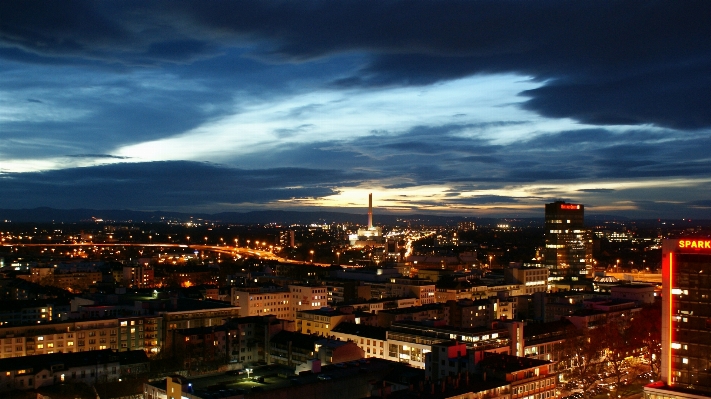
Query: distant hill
point(44, 215)
point(47, 215)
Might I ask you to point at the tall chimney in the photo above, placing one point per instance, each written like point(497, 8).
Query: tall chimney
point(370, 211)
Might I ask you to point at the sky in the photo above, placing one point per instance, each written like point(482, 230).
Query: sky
point(476, 108)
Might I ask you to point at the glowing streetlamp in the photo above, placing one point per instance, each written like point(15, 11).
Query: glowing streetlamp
point(312, 255)
point(338, 258)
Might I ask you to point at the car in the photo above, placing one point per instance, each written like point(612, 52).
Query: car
point(324, 377)
point(235, 372)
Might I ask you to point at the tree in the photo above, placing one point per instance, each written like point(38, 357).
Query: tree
point(582, 353)
point(619, 348)
point(646, 334)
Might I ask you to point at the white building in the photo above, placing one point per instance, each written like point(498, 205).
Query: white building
point(282, 303)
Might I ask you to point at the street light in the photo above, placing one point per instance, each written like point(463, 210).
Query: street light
point(338, 257)
point(248, 371)
point(312, 255)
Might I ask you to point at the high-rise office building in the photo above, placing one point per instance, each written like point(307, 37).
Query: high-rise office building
point(686, 321)
point(568, 250)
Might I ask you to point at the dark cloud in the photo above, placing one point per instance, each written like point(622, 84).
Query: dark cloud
point(548, 173)
point(176, 65)
point(615, 62)
point(158, 185)
point(285, 133)
point(480, 159)
point(439, 155)
point(596, 190)
point(672, 98)
point(700, 203)
point(483, 200)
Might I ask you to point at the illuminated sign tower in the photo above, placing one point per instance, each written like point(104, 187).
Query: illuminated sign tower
point(568, 251)
point(686, 316)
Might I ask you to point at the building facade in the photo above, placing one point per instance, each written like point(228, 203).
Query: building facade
point(686, 314)
point(568, 251)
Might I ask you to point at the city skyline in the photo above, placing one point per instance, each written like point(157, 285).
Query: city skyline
point(473, 108)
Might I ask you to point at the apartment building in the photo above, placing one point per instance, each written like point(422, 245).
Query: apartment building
point(31, 372)
point(283, 303)
point(528, 378)
point(371, 339)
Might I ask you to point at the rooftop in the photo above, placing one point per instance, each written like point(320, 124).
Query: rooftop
point(42, 362)
point(297, 340)
point(510, 364)
point(361, 330)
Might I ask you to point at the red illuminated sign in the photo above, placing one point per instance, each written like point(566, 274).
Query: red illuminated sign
point(669, 277)
point(695, 244)
point(569, 206)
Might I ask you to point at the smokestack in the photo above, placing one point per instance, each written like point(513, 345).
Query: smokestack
point(370, 211)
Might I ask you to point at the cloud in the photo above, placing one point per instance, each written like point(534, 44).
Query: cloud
point(159, 185)
point(596, 190)
point(97, 156)
point(484, 199)
point(496, 100)
point(700, 204)
point(616, 62)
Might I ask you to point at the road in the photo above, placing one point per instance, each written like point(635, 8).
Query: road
point(223, 249)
